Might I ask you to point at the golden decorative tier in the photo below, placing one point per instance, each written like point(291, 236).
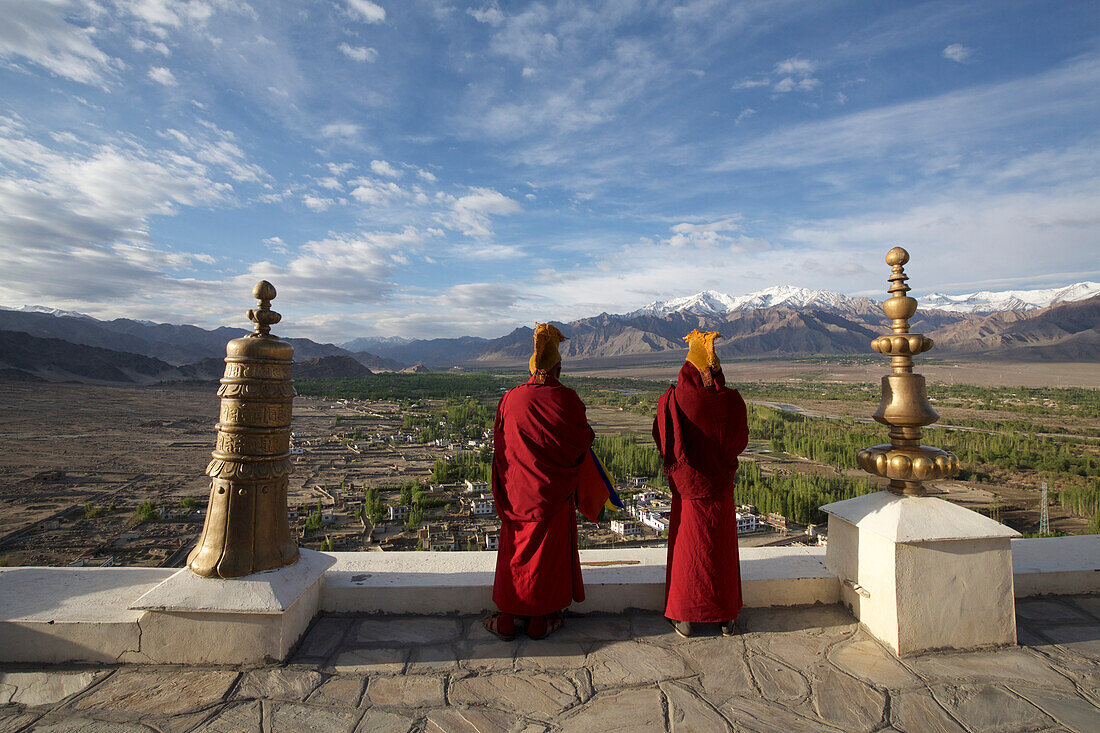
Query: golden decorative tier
point(246, 526)
point(904, 406)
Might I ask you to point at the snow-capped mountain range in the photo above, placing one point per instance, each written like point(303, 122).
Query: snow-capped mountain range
point(986, 301)
point(712, 302)
point(45, 309)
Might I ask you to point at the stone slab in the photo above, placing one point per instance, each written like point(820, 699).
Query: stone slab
point(537, 695)
point(688, 713)
point(380, 721)
point(159, 692)
point(1070, 710)
point(904, 519)
point(626, 663)
point(991, 709)
point(626, 711)
point(343, 690)
point(278, 683)
point(44, 688)
point(267, 592)
point(406, 691)
point(300, 717)
point(470, 720)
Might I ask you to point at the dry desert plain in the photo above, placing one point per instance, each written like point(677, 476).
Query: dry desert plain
point(77, 460)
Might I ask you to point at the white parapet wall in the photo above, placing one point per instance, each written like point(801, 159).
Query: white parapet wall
point(51, 615)
point(614, 580)
point(1056, 565)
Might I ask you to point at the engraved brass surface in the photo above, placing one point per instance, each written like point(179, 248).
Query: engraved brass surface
point(904, 406)
point(246, 527)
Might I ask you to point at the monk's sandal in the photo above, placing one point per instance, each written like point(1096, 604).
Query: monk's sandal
point(683, 628)
point(728, 628)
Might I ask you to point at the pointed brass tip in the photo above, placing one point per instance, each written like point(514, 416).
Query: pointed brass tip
point(897, 256)
point(263, 291)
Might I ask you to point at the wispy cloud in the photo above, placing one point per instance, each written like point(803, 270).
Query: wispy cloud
point(937, 124)
point(470, 214)
point(382, 168)
point(367, 11)
point(38, 32)
point(358, 53)
point(958, 52)
point(162, 75)
point(340, 130)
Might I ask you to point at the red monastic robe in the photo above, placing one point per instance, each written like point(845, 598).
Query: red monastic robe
point(540, 440)
point(700, 431)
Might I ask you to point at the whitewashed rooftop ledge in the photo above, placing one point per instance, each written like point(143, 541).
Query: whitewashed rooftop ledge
point(53, 615)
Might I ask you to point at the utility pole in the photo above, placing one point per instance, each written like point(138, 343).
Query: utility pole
point(1044, 514)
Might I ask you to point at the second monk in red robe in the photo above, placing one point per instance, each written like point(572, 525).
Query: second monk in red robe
point(540, 440)
point(700, 429)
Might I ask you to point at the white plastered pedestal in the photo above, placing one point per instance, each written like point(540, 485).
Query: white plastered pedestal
point(922, 574)
point(258, 618)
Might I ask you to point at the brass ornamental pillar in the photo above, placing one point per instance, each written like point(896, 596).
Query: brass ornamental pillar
point(904, 407)
point(246, 527)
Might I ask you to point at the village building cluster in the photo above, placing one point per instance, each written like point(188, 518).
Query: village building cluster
point(366, 478)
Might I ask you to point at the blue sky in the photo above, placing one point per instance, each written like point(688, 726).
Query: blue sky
point(436, 169)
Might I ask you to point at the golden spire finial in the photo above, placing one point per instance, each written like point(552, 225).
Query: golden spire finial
point(246, 528)
point(904, 407)
point(263, 317)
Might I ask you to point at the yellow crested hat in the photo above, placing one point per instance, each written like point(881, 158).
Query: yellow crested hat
point(701, 349)
point(546, 355)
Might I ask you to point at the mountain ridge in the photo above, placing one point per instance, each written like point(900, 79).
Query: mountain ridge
point(802, 323)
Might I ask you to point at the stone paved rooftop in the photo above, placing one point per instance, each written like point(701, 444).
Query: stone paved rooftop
point(791, 670)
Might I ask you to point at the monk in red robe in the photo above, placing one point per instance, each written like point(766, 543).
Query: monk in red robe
point(700, 429)
point(540, 440)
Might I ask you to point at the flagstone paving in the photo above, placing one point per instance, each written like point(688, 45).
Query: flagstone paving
point(799, 669)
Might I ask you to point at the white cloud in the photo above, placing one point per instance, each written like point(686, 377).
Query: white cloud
point(922, 127)
point(744, 115)
point(340, 129)
point(796, 66)
point(526, 36)
point(218, 147)
point(330, 183)
point(75, 225)
point(490, 15)
point(802, 85)
point(375, 193)
point(341, 267)
point(784, 85)
point(704, 235)
point(382, 168)
point(751, 83)
point(159, 46)
point(367, 11)
point(470, 214)
point(957, 52)
point(162, 75)
point(316, 203)
point(276, 244)
point(339, 169)
point(967, 228)
point(358, 53)
point(39, 32)
point(426, 175)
